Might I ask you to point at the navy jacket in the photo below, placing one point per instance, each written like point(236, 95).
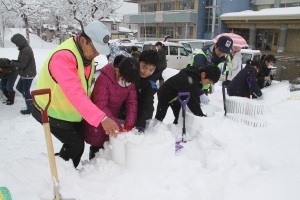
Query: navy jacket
point(239, 85)
point(145, 91)
point(187, 80)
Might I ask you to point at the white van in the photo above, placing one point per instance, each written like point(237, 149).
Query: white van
point(193, 46)
point(177, 55)
point(249, 54)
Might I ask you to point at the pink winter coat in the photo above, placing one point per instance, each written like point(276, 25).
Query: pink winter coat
point(109, 96)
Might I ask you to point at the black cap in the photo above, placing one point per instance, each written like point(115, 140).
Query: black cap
point(225, 44)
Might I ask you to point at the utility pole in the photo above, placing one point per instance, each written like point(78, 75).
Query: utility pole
point(2, 29)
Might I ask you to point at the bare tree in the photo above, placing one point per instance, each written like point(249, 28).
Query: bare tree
point(84, 11)
point(23, 9)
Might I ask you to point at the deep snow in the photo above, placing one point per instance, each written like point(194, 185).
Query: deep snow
point(227, 160)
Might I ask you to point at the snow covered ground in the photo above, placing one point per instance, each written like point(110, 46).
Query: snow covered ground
point(228, 160)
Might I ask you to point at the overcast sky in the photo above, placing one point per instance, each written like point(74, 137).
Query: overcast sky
point(128, 8)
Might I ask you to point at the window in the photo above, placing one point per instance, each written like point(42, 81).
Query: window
point(113, 26)
point(151, 7)
point(186, 5)
point(167, 6)
point(182, 33)
point(183, 51)
point(163, 31)
point(174, 51)
point(209, 15)
point(150, 32)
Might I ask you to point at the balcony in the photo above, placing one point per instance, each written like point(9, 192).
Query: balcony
point(175, 16)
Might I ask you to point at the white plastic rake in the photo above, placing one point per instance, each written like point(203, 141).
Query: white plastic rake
point(249, 111)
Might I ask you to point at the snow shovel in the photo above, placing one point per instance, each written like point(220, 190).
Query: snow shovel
point(224, 99)
point(183, 105)
point(249, 80)
point(45, 121)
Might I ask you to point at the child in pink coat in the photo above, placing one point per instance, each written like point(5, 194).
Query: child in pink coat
point(115, 85)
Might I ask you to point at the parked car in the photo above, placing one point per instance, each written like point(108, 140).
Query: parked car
point(249, 54)
point(193, 46)
point(127, 48)
point(177, 56)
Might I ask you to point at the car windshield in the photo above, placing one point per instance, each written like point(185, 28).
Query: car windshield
point(149, 46)
point(245, 57)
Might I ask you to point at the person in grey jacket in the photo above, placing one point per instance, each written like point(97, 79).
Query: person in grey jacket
point(26, 68)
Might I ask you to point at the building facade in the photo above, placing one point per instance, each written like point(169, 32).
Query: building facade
point(158, 18)
point(271, 25)
point(204, 19)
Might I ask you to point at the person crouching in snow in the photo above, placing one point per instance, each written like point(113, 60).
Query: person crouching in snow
point(187, 80)
point(244, 84)
point(115, 85)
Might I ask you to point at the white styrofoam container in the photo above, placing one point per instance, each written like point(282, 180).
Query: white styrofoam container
point(117, 150)
point(141, 157)
point(148, 158)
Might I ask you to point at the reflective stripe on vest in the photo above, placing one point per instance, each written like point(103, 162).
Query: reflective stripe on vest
point(60, 107)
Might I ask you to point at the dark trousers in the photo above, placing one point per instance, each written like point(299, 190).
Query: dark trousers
point(23, 86)
point(7, 84)
point(73, 142)
point(162, 108)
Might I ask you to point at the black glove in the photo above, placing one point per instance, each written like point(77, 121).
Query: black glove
point(140, 129)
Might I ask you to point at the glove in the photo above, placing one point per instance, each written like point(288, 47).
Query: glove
point(140, 129)
point(204, 99)
point(126, 128)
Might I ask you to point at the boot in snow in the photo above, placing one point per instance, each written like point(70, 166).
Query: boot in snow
point(29, 104)
point(93, 151)
point(25, 112)
point(11, 98)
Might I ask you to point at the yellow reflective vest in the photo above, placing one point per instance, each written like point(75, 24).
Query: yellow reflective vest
point(60, 107)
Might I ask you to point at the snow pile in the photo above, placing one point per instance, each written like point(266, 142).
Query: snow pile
point(35, 40)
point(144, 152)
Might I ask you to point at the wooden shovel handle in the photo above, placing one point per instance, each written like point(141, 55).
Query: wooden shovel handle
point(49, 143)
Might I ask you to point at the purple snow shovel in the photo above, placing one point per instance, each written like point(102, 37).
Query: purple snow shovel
point(45, 122)
point(249, 80)
point(183, 103)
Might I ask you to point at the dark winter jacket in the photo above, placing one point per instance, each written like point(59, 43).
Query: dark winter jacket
point(162, 59)
point(109, 96)
point(239, 85)
point(8, 71)
point(146, 91)
point(187, 80)
point(202, 61)
point(26, 63)
point(262, 73)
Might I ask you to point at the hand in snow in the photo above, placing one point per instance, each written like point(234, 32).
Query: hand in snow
point(204, 99)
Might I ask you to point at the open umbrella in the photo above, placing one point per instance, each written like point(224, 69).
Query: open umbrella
point(238, 40)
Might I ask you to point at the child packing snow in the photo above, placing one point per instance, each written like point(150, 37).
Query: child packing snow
point(187, 80)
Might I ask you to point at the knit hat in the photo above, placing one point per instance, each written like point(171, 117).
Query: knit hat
point(99, 35)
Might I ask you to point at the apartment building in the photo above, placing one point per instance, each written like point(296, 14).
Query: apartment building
point(182, 19)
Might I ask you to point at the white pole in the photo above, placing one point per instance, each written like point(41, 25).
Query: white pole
point(213, 19)
point(185, 30)
point(145, 28)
